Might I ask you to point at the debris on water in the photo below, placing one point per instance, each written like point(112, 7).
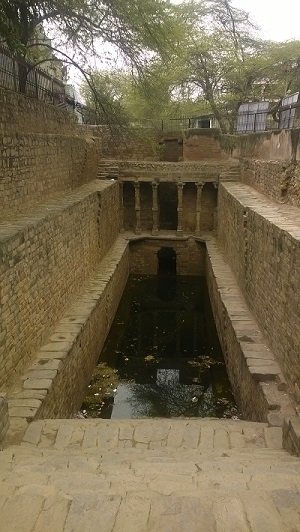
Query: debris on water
point(162, 369)
point(233, 414)
point(80, 415)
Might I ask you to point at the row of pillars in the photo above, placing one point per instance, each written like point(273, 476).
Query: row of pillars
point(155, 208)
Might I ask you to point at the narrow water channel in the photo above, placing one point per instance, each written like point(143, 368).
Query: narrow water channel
point(162, 356)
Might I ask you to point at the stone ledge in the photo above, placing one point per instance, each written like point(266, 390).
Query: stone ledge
point(39, 386)
point(41, 212)
point(252, 354)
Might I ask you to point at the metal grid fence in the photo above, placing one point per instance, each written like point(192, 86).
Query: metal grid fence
point(19, 75)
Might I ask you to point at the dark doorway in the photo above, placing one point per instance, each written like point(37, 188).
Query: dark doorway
point(166, 261)
point(168, 201)
point(205, 124)
point(129, 206)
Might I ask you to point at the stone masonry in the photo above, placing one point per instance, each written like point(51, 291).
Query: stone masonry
point(148, 476)
point(67, 244)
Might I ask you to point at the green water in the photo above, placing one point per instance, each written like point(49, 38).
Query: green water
point(162, 356)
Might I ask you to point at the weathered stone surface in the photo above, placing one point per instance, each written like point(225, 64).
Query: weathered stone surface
point(260, 242)
point(177, 486)
point(57, 272)
point(37, 384)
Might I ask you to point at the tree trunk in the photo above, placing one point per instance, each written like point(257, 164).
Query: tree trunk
point(22, 74)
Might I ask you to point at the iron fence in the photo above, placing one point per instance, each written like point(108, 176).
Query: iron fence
point(289, 116)
point(20, 75)
point(254, 122)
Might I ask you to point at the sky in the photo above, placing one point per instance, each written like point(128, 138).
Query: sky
point(279, 21)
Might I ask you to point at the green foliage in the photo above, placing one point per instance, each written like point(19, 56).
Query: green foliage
point(198, 57)
point(133, 27)
point(230, 65)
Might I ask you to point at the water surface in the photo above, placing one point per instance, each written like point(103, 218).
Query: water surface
point(162, 356)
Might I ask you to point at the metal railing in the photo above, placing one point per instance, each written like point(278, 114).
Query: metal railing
point(288, 117)
point(252, 122)
point(20, 75)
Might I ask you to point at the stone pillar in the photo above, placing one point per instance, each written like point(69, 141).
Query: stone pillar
point(121, 189)
point(179, 207)
point(155, 211)
point(199, 186)
point(137, 207)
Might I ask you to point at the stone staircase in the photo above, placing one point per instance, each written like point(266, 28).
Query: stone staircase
point(149, 475)
point(108, 169)
point(231, 174)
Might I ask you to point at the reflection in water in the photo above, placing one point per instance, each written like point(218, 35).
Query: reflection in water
point(162, 356)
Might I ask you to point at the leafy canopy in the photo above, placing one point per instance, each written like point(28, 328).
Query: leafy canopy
point(132, 26)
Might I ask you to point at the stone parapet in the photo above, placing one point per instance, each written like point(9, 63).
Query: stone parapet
point(258, 383)
point(260, 241)
point(54, 383)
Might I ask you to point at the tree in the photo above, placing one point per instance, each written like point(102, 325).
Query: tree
point(131, 26)
point(135, 29)
point(228, 64)
point(152, 95)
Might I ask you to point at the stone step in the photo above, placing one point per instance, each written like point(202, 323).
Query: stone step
point(180, 434)
point(138, 489)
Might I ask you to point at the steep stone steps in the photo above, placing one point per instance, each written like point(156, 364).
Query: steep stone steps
point(183, 434)
point(108, 169)
point(149, 475)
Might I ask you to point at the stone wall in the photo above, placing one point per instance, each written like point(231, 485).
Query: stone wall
point(22, 114)
point(261, 244)
point(94, 311)
point(203, 144)
point(46, 257)
point(37, 166)
point(256, 378)
point(135, 143)
point(270, 162)
point(190, 256)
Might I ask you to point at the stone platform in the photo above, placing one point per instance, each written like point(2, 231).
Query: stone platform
point(149, 475)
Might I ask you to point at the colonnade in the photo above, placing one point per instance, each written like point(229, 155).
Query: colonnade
point(155, 205)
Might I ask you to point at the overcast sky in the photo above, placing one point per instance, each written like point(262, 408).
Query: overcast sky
point(279, 21)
